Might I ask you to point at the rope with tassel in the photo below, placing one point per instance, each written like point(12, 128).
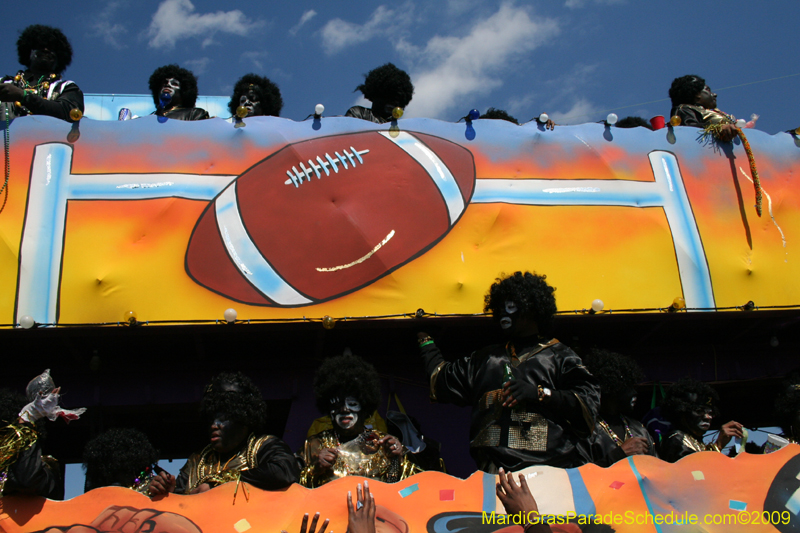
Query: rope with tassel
point(714, 130)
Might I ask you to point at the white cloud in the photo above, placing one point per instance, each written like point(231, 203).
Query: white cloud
point(308, 15)
point(175, 20)
point(457, 68)
point(198, 66)
point(338, 34)
point(575, 4)
point(103, 27)
point(255, 57)
point(582, 111)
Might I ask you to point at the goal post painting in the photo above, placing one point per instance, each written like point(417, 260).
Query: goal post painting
point(283, 220)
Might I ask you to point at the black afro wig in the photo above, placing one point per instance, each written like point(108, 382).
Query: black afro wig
point(234, 394)
point(677, 403)
point(685, 89)
point(347, 375)
point(186, 77)
point(116, 457)
point(616, 373)
point(11, 403)
point(529, 291)
point(499, 114)
point(633, 122)
point(38, 36)
point(388, 84)
point(267, 92)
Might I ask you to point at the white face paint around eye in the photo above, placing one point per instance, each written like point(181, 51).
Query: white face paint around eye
point(351, 404)
point(511, 307)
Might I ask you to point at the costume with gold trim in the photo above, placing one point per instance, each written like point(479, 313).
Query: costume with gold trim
point(51, 96)
point(679, 444)
point(604, 450)
point(356, 458)
point(265, 462)
point(540, 432)
point(23, 468)
point(699, 116)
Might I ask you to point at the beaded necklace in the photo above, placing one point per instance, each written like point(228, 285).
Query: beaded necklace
point(613, 435)
point(41, 85)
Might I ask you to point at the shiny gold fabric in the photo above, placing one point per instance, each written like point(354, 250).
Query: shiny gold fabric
point(206, 467)
point(14, 439)
point(356, 458)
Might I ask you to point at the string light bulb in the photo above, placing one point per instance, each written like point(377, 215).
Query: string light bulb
point(230, 315)
point(319, 109)
point(678, 304)
point(473, 114)
point(675, 120)
point(543, 118)
point(26, 321)
point(129, 317)
point(597, 305)
point(241, 111)
point(741, 123)
point(328, 322)
point(397, 112)
point(75, 114)
point(611, 119)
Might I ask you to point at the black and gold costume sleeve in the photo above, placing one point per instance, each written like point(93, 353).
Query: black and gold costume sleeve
point(700, 117)
point(23, 468)
point(56, 99)
point(265, 462)
point(360, 459)
point(604, 447)
point(544, 432)
point(679, 444)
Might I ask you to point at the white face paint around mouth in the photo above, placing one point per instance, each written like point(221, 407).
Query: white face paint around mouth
point(505, 322)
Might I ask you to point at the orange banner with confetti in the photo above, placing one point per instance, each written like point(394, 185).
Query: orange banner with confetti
point(703, 492)
point(177, 221)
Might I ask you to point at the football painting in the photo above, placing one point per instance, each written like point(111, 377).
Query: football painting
point(284, 220)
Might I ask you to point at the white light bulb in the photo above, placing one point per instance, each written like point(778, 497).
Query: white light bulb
point(319, 109)
point(612, 118)
point(597, 305)
point(741, 123)
point(26, 321)
point(230, 315)
point(543, 117)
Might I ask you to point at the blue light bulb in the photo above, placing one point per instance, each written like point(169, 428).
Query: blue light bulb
point(474, 114)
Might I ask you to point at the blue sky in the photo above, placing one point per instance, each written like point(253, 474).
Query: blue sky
point(575, 59)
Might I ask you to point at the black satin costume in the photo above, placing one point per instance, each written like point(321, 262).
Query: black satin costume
point(57, 100)
point(545, 433)
point(699, 117)
point(680, 444)
point(602, 450)
point(265, 462)
point(29, 472)
point(184, 113)
point(363, 113)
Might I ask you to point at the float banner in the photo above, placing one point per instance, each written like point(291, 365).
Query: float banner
point(278, 219)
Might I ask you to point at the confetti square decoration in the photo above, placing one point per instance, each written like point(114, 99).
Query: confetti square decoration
point(736, 505)
point(447, 495)
point(408, 491)
point(241, 526)
point(616, 485)
point(793, 504)
point(698, 475)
